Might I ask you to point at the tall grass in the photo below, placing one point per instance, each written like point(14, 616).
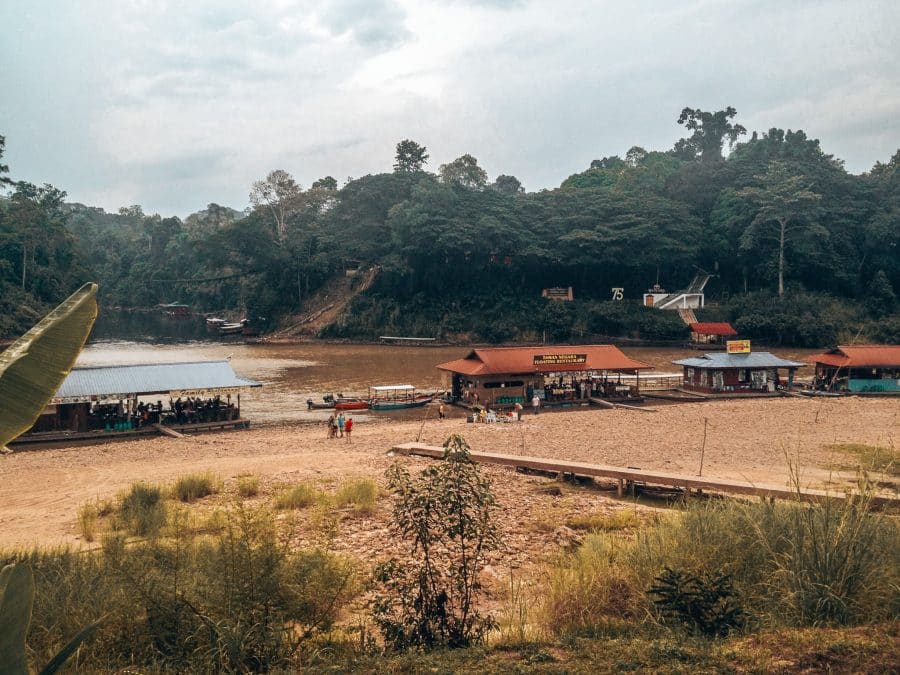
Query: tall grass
point(789, 564)
point(361, 494)
point(142, 510)
point(236, 600)
point(88, 513)
point(248, 486)
point(195, 486)
point(298, 496)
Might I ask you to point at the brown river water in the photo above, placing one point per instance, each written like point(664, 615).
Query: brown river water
point(292, 373)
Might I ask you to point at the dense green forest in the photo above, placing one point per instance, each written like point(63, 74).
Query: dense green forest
point(802, 252)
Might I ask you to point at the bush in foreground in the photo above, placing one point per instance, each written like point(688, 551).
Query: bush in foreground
point(446, 517)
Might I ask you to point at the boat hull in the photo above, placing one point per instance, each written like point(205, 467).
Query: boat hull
point(400, 404)
point(351, 405)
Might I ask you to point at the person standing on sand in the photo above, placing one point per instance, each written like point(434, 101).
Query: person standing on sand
point(341, 422)
point(348, 427)
point(441, 412)
point(535, 403)
point(330, 423)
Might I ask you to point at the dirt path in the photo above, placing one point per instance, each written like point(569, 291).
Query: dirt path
point(41, 490)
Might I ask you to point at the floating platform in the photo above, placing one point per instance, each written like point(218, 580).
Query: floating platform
point(83, 437)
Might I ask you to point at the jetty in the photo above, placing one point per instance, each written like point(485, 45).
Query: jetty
point(630, 476)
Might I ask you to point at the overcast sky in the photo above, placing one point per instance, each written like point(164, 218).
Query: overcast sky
point(173, 105)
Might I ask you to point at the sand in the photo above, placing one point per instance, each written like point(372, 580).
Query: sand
point(756, 440)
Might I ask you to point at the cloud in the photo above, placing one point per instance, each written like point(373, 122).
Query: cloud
point(372, 23)
point(175, 105)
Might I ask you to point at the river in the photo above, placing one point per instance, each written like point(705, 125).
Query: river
point(292, 373)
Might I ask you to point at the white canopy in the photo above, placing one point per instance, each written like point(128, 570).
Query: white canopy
point(393, 387)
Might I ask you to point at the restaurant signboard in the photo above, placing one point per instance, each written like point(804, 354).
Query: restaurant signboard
point(559, 359)
point(738, 346)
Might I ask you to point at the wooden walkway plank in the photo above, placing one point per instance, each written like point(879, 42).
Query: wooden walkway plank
point(641, 476)
point(165, 430)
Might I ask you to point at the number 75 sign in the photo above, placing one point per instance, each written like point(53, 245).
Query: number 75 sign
point(617, 293)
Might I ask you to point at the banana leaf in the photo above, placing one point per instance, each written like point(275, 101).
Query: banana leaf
point(33, 367)
point(16, 599)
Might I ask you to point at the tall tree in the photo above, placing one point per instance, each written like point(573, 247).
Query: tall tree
point(4, 169)
point(410, 157)
point(463, 172)
point(279, 193)
point(785, 208)
point(509, 185)
point(711, 131)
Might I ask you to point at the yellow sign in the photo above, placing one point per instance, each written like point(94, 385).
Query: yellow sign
point(738, 346)
point(559, 359)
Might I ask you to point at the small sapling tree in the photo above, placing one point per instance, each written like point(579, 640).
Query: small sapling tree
point(446, 518)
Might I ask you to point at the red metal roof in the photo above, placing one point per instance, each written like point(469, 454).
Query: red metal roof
point(712, 328)
point(497, 360)
point(860, 356)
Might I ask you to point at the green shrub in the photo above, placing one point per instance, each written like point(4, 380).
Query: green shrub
point(705, 603)
point(142, 509)
point(299, 496)
point(195, 486)
point(360, 494)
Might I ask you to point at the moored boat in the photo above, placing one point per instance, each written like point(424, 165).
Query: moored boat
point(397, 397)
point(351, 404)
point(228, 328)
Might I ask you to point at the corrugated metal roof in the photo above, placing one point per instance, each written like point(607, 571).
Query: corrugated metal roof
point(712, 328)
point(860, 356)
point(497, 360)
point(157, 378)
point(726, 360)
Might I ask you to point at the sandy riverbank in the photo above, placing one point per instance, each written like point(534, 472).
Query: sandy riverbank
point(40, 490)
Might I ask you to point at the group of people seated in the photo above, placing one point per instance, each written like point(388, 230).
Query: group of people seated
point(116, 416)
point(488, 416)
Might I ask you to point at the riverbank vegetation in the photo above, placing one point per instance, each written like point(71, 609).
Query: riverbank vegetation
point(803, 252)
point(223, 584)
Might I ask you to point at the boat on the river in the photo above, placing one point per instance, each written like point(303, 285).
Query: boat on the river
point(397, 397)
point(351, 404)
point(236, 328)
point(213, 322)
point(326, 404)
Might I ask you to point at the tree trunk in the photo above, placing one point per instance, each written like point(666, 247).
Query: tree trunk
point(782, 224)
point(24, 263)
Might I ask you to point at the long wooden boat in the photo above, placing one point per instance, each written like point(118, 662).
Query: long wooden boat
point(324, 405)
point(397, 397)
point(351, 404)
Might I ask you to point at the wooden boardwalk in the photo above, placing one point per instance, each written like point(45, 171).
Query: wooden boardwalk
point(625, 476)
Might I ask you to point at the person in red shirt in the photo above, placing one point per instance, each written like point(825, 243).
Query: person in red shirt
point(348, 427)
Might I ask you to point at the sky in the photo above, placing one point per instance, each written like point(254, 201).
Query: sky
point(173, 105)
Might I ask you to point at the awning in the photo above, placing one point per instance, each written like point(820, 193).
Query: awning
point(207, 378)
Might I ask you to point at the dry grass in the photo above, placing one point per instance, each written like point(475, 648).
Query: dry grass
point(360, 494)
point(870, 458)
point(248, 486)
point(298, 496)
point(195, 486)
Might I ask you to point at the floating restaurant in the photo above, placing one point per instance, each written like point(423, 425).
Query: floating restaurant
point(95, 400)
point(737, 371)
point(859, 369)
point(504, 376)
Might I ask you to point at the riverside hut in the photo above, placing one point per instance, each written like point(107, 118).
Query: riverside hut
point(734, 372)
point(95, 400)
point(859, 369)
point(504, 376)
point(710, 335)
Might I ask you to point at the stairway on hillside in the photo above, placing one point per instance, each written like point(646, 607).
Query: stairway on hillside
point(688, 316)
point(328, 303)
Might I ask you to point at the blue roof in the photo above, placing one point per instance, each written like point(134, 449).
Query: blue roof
point(726, 360)
point(160, 378)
